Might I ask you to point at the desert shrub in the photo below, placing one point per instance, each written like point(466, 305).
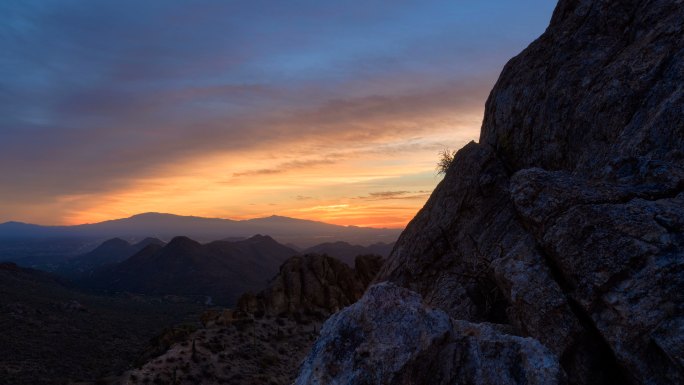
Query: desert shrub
point(446, 158)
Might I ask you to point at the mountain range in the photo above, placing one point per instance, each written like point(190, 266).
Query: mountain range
point(49, 247)
point(219, 271)
point(304, 233)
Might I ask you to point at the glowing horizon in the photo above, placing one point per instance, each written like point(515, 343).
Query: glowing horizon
point(315, 110)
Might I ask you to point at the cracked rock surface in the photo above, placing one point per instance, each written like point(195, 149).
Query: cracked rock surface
point(565, 224)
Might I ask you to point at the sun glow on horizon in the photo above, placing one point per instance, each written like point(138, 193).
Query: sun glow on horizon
point(376, 183)
point(329, 111)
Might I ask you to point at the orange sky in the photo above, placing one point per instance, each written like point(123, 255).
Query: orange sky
point(330, 111)
point(375, 182)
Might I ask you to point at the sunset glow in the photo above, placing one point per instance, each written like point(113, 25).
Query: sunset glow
point(330, 113)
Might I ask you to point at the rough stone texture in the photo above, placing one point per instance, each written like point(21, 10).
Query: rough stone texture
point(312, 286)
point(620, 258)
point(239, 352)
point(566, 222)
point(390, 337)
point(605, 81)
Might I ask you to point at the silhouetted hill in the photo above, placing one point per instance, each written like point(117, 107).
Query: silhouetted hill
point(220, 270)
point(109, 252)
point(347, 253)
point(304, 233)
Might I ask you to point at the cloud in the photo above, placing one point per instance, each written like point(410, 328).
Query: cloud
point(285, 167)
point(326, 208)
point(393, 195)
point(100, 97)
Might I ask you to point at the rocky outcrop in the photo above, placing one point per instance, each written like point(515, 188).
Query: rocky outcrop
point(266, 337)
point(312, 286)
point(566, 222)
point(390, 337)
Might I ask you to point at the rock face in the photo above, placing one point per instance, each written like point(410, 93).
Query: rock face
point(566, 222)
point(390, 337)
point(313, 285)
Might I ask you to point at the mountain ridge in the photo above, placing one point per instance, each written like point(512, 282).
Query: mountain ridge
point(219, 271)
point(302, 232)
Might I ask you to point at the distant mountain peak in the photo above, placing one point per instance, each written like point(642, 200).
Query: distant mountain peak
point(182, 241)
point(302, 232)
point(115, 242)
point(149, 241)
point(153, 215)
point(222, 270)
point(259, 237)
point(13, 223)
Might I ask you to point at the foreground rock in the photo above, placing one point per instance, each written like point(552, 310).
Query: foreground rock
point(566, 222)
point(390, 337)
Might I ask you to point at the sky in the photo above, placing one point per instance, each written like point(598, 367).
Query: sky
point(326, 110)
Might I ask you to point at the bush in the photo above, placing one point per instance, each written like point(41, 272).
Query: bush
point(446, 157)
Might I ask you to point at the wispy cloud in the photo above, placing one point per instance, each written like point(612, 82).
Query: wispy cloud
point(109, 107)
point(285, 167)
point(391, 195)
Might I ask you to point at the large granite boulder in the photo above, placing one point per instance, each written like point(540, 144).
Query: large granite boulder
point(390, 337)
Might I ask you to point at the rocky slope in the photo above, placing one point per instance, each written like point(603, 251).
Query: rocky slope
point(52, 334)
point(565, 223)
point(265, 339)
point(312, 286)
